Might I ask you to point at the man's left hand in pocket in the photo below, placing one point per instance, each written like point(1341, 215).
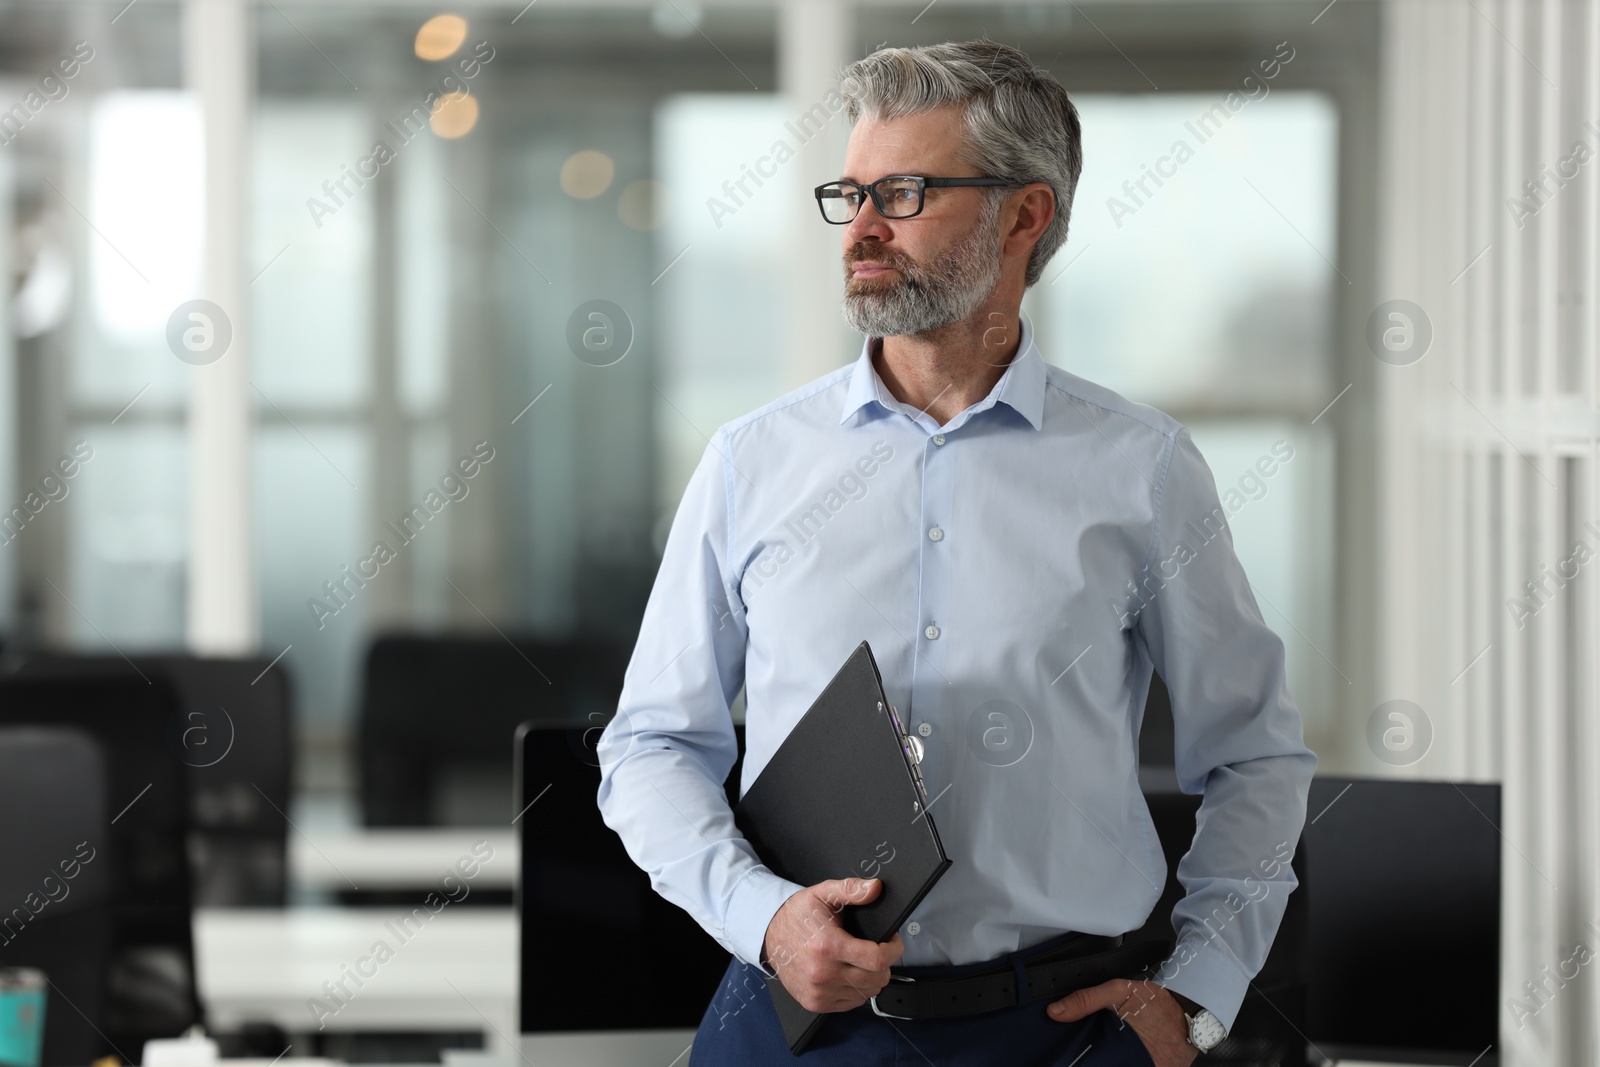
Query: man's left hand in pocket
point(1152, 1011)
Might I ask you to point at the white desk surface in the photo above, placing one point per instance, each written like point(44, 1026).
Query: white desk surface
point(636, 1048)
point(456, 972)
point(399, 858)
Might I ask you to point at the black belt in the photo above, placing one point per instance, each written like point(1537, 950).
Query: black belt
point(1085, 961)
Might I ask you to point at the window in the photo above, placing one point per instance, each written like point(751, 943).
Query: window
point(1198, 278)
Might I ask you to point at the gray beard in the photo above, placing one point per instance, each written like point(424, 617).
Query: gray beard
point(924, 298)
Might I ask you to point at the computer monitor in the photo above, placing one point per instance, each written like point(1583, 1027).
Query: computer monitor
point(415, 774)
point(1403, 889)
point(609, 969)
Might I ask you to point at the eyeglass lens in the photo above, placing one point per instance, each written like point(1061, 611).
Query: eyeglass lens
point(897, 198)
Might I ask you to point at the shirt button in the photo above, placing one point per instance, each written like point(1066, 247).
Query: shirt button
point(925, 729)
point(913, 928)
point(938, 438)
point(935, 534)
point(932, 632)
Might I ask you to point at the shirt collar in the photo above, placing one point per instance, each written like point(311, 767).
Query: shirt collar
point(1021, 387)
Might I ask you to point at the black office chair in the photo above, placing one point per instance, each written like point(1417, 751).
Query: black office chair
point(437, 712)
point(57, 879)
point(585, 907)
point(233, 734)
point(150, 977)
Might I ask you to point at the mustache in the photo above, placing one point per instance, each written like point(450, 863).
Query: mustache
point(859, 254)
point(909, 273)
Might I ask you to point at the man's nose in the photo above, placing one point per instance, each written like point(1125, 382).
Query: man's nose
point(867, 223)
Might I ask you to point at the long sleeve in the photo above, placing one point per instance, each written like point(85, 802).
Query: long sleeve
point(665, 755)
point(1238, 739)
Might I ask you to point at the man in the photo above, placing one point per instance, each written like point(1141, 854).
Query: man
point(1021, 548)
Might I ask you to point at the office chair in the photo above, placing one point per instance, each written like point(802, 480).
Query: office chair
point(150, 976)
point(57, 880)
point(584, 906)
point(234, 736)
point(437, 714)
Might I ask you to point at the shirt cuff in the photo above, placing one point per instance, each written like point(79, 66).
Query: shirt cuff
point(1209, 976)
point(756, 899)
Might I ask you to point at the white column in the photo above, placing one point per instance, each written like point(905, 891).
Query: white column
point(219, 62)
point(813, 45)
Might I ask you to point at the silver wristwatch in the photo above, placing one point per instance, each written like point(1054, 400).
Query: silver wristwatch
point(1206, 1031)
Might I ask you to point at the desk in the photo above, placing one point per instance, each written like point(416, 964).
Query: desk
point(457, 971)
point(398, 858)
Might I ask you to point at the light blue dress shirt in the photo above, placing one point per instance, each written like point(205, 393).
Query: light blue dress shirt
point(1019, 572)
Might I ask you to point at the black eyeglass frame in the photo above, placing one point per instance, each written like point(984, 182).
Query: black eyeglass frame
point(923, 185)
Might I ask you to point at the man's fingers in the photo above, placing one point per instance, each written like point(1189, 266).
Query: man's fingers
point(867, 983)
point(854, 953)
point(850, 960)
point(839, 987)
point(1084, 1002)
point(844, 891)
point(832, 970)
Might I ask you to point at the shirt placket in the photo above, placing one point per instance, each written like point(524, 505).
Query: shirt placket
point(927, 719)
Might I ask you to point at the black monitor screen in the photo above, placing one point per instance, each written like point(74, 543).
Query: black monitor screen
point(601, 950)
point(1403, 887)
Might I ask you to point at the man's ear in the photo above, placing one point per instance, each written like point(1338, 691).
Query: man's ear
point(1035, 206)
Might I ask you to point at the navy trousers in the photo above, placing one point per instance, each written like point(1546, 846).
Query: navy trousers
point(740, 1028)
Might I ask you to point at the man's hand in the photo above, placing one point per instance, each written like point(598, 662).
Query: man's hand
point(821, 966)
point(1150, 1009)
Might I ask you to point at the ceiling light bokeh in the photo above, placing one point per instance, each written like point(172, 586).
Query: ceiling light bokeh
point(440, 37)
point(642, 204)
point(454, 115)
point(587, 174)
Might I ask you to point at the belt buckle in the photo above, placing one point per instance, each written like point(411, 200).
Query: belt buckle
point(873, 1000)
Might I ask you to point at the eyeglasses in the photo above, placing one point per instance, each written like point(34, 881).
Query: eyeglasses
point(899, 196)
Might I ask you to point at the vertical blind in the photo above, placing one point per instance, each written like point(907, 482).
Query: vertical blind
point(1491, 539)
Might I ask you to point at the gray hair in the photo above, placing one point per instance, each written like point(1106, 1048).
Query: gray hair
point(1020, 122)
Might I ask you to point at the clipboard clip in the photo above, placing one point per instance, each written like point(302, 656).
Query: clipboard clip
point(911, 745)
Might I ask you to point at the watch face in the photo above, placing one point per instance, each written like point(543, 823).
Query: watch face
point(1206, 1031)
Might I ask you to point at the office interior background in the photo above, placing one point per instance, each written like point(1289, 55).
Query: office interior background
point(1384, 253)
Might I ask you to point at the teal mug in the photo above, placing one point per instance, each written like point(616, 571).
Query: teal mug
point(22, 991)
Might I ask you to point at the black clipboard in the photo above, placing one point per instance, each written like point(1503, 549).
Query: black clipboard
point(838, 796)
